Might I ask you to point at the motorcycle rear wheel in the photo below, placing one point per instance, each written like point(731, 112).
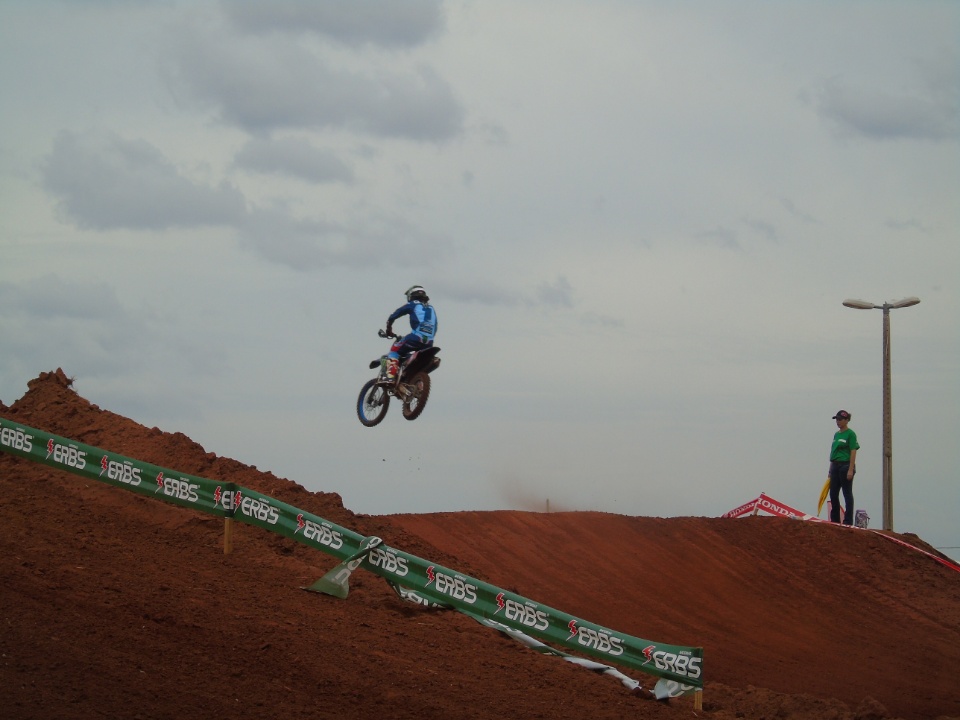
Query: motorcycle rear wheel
point(417, 399)
point(373, 403)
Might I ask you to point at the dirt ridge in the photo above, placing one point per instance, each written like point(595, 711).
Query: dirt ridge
point(117, 605)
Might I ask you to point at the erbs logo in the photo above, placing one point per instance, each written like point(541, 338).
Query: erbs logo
point(123, 472)
point(455, 587)
point(68, 455)
point(228, 498)
point(385, 558)
point(179, 488)
point(252, 507)
point(524, 614)
point(321, 534)
point(676, 663)
point(16, 438)
point(597, 639)
point(259, 509)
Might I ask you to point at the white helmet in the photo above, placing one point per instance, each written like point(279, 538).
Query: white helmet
point(417, 293)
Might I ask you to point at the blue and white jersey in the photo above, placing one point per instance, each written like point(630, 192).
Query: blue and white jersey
point(423, 319)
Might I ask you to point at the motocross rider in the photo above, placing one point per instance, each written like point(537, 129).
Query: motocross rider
point(423, 327)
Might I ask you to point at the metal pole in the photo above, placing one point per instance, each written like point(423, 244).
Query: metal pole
point(887, 426)
point(887, 412)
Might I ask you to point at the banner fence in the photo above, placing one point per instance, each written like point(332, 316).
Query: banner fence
point(680, 668)
point(765, 503)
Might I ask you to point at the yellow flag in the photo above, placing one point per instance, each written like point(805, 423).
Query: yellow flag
point(823, 495)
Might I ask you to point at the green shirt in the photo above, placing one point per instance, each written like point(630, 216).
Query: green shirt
point(843, 442)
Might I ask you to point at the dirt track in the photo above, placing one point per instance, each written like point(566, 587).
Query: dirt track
point(113, 605)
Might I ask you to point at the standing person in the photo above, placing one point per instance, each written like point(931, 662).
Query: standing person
point(843, 466)
point(423, 328)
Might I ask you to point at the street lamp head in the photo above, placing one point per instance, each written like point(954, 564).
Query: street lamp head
point(861, 304)
point(906, 302)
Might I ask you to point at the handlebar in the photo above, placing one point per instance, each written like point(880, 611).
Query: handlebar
point(385, 334)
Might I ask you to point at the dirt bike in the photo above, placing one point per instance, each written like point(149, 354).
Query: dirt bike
point(411, 386)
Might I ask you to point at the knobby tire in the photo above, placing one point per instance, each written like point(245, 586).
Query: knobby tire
point(414, 405)
point(373, 409)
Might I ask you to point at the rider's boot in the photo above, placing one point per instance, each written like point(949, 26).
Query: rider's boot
point(393, 365)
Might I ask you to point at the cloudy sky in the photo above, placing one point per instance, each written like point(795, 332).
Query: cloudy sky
point(637, 222)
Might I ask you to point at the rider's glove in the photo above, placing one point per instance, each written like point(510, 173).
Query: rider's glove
point(389, 329)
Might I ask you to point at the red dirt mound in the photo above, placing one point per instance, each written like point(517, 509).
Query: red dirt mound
point(114, 605)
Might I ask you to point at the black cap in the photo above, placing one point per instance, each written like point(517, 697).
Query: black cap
point(842, 415)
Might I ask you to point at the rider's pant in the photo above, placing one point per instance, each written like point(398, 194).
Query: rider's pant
point(408, 344)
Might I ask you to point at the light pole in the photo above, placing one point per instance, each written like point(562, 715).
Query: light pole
point(887, 420)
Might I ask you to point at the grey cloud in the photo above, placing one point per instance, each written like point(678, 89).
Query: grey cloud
point(557, 294)
point(762, 228)
point(300, 244)
point(308, 244)
point(358, 22)
point(51, 321)
point(884, 114)
point(592, 319)
point(294, 157)
point(105, 182)
point(909, 224)
point(480, 293)
point(265, 85)
point(84, 327)
point(493, 134)
point(722, 236)
point(51, 297)
point(797, 213)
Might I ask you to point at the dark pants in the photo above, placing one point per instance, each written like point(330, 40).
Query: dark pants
point(838, 483)
point(407, 344)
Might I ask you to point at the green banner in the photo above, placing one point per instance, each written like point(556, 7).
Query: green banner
point(224, 499)
point(474, 597)
point(415, 578)
point(142, 478)
point(263, 511)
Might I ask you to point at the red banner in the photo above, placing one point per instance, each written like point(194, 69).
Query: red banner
point(768, 505)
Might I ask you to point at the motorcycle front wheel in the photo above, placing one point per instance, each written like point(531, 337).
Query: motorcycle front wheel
point(414, 403)
point(373, 403)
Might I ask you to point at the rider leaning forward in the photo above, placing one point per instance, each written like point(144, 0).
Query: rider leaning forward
point(423, 328)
